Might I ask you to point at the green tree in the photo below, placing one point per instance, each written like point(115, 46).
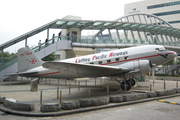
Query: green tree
point(50, 57)
point(178, 62)
point(6, 54)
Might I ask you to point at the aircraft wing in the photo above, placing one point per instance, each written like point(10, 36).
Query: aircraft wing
point(85, 70)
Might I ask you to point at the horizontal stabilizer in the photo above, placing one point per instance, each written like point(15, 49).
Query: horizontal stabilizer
point(23, 73)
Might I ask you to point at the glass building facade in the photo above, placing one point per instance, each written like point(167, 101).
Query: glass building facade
point(163, 5)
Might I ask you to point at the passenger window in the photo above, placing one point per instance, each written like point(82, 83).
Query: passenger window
point(108, 61)
point(126, 57)
point(100, 62)
point(117, 59)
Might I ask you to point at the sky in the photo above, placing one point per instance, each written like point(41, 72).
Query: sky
point(21, 16)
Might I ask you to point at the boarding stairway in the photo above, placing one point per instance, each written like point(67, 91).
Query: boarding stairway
point(11, 65)
point(169, 70)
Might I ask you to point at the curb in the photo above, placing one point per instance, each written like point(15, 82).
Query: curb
point(83, 109)
point(168, 102)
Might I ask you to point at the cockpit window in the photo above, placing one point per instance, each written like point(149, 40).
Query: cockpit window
point(160, 49)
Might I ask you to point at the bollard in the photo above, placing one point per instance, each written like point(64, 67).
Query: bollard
point(78, 85)
point(89, 93)
point(9, 80)
point(41, 98)
point(86, 83)
point(57, 92)
point(164, 85)
point(107, 91)
point(153, 82)
point(150, 87)
point(60, 97)
point(69, 88)
point(58, 80)
point(95, 81)
point(177, 84)
point(65, 82)
point(75, 81)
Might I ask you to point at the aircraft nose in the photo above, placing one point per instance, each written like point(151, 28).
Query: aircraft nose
point(172, 54)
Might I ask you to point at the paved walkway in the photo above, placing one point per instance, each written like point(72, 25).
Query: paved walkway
point(20, 91)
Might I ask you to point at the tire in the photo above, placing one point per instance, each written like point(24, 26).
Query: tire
point(128, 85)
point(133, 82)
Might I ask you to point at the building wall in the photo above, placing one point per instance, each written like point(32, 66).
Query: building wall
point(160, 6)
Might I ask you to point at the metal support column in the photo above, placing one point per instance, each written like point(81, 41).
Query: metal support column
point(139, 19)
point(139, 36)
point(171, 39)
point(151, 38)
point(145, 19)
point(150, 19)
point(155, 21)
point(145, 36)
point(26, 42)
point(126, 38)
point(2, 56)
point(167, 39)
point(110, 35)
point(127, 19)
point(102, 37)
point(118, 36)
point(157, 38)
point(133, 18)
point(162, 39)
point(48, 33)
point(133, 37)
point(175, 41)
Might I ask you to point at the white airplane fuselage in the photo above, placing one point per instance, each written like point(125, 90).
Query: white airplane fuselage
point(156, 54)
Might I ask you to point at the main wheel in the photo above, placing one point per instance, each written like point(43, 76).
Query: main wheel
point(133, 82)
point(128, 85)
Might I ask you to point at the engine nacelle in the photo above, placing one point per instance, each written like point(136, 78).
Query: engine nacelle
point(139, 66)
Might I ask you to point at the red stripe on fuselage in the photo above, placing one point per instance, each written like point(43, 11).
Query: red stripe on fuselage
point(134, 59)
point(46, 74)
point(108, 63)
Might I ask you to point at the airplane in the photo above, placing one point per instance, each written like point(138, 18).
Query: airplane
point(122, 65)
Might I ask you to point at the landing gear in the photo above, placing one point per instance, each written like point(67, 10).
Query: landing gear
point(128, 85)
point(133, 82)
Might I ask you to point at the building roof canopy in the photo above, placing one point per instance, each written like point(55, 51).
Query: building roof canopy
point(96, 25)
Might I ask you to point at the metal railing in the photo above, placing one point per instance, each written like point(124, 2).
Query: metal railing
point(6, 62)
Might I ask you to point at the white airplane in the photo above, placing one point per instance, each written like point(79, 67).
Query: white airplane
point(122, 63)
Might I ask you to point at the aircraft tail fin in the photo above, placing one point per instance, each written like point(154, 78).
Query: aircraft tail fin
point(27, 59)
